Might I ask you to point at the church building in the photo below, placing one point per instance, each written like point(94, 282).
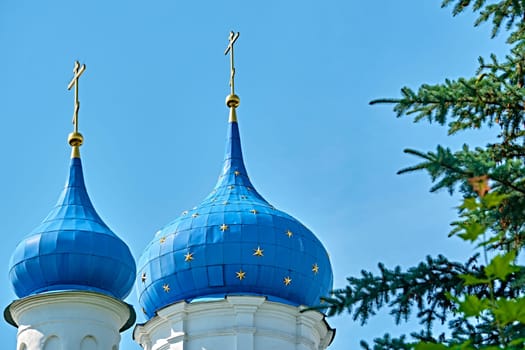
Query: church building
point(233, 273)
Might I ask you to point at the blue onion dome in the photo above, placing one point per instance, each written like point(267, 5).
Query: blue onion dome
point(233, 243)
point(72, 249)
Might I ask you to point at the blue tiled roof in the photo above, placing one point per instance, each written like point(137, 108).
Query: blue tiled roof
point(72, 249)
point(234, 242)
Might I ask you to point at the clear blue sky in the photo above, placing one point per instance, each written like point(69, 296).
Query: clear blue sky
point(154, 120)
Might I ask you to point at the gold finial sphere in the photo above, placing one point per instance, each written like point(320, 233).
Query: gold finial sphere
point(75, 139)
point(233, 100)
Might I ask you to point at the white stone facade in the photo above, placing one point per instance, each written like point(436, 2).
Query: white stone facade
point(234, 323)
point(71, 320)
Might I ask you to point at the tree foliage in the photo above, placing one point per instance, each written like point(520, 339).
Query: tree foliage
point(481, 300)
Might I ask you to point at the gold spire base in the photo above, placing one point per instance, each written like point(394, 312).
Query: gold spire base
point(233, 101)
point(75, 152)
point(75, 140)
point(233, 115)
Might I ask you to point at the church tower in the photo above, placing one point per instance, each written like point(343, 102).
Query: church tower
point(233, 273)
point(72, 272)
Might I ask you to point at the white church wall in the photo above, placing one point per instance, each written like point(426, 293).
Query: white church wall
point(69, 320)
point(234, 323)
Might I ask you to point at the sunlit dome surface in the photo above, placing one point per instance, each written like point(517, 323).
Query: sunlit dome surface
point(72, 249)
point(233, 243)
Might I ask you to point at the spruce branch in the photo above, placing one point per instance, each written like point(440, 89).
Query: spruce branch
point(507, 13)
point(483, 305)
point(457, 168)
point(424, 287)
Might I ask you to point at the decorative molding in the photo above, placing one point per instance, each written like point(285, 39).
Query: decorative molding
point(239, 321)
point(72, 317)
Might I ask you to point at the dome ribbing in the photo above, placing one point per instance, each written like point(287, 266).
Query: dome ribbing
point(72, 249)
point(233, 243)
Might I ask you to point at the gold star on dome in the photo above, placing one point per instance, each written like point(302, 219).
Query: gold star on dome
point(143, 277)
point(195, 215)
point(188, 256)
point(315, 268)
point(224, 227)
point(237, 173)
point(253, 211)
point(289, 234)
point(258, 251)
point(162, 240)
point(240, 275)
point(166, 288)
point(287, 280)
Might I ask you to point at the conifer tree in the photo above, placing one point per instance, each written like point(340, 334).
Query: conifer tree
point(481, 300)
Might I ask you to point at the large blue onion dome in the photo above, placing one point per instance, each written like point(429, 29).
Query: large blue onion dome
point(72, 249)
point(234, 242)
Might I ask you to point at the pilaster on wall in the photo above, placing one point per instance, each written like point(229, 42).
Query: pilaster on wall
point(234, 323)
point(245, 312)
point(69, 320)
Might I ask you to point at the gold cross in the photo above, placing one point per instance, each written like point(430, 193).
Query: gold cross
point(78, 70)
point(232, 39)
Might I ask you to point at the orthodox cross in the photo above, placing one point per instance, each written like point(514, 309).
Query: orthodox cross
point(78, 70)
point(232, 39)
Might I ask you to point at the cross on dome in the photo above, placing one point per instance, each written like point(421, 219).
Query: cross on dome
point(232, 100)
point(232, 39)
point(73, 249)
point(78, 70)
point(75, 139)
point(220, 232)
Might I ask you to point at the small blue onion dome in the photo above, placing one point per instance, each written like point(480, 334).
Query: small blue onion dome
point(233, 243)
point(72, 249)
